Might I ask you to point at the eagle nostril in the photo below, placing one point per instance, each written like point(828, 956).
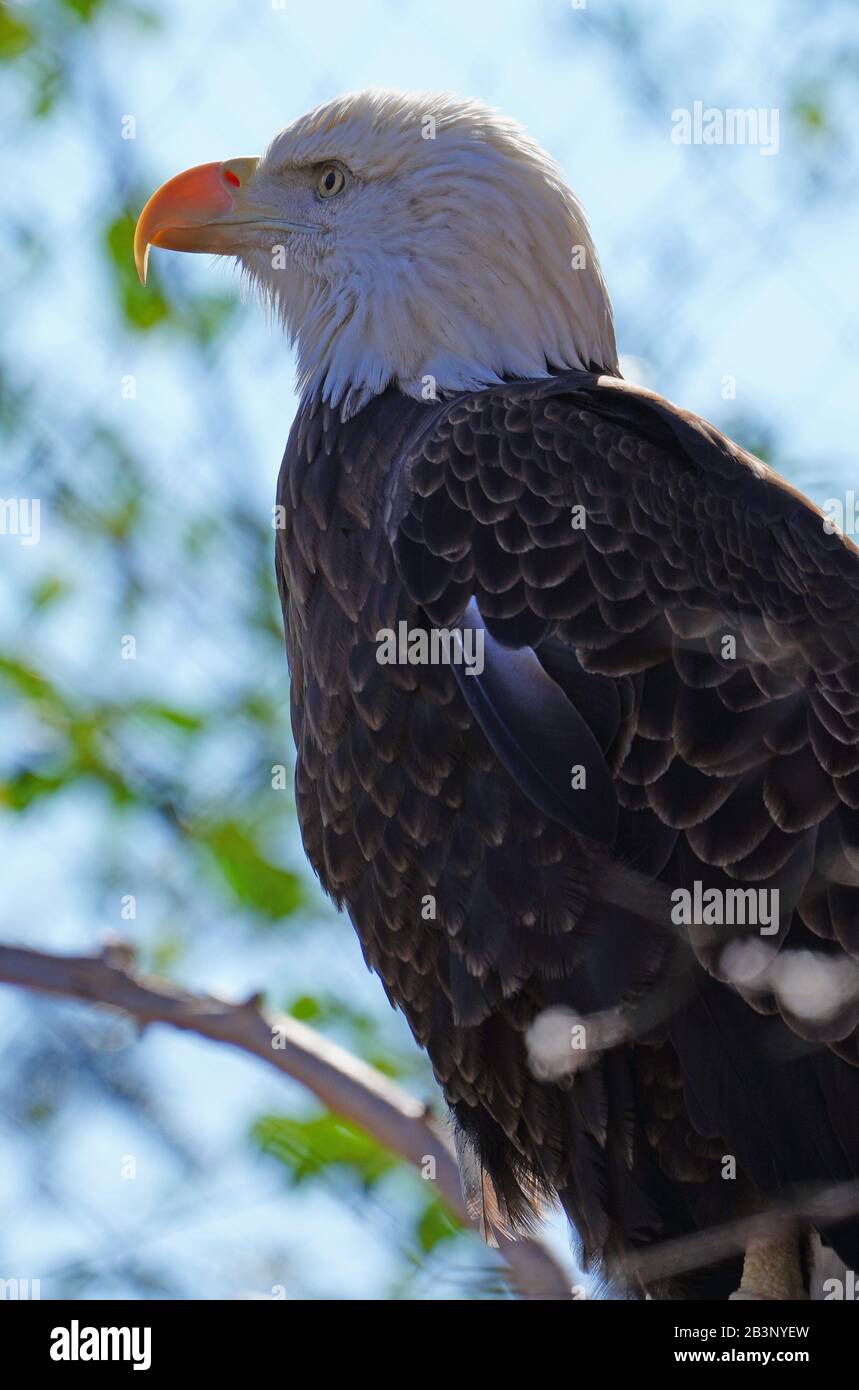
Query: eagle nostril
point(232, 178)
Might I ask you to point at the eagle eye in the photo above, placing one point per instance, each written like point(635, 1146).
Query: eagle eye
point(330, 181)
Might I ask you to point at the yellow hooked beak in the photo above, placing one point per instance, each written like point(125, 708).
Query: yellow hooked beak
point(208, 208)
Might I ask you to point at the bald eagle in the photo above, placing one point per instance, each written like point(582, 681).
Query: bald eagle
point(574, 691)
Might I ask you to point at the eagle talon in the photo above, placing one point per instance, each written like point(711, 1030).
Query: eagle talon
point(772, 1272)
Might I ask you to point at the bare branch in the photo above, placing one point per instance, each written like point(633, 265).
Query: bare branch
point(819, 1207)
point(346, 1085)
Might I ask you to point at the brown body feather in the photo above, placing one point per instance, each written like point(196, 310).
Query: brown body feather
point(735, 770)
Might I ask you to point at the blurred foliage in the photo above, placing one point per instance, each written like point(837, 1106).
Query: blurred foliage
point(201, 318)
point(307, 1148)
point(160, 766)
point(359, 1027)
point(43, 40)
point(324, 1144)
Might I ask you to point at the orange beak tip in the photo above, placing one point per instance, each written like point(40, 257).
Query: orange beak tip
point(142, 263)
point(186, 212)
point(141, 251)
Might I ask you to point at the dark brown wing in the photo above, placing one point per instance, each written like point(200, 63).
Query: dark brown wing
point(584, 519)
point(592, 516)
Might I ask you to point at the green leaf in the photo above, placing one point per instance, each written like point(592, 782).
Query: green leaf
point(808, 109)
point(307, 1009)
point(307, 1148)
point(202, 318)
point(436, 1224)
point(255, 880)
point(156, 713)
point(19, 792)
point(142, 306)
point(165, 954)
point(28, 681)
point(49, 591)
point(50, 82)
point(16, 36)
point(84, 10)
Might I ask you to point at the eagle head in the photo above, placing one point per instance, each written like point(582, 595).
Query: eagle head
point(416, 240)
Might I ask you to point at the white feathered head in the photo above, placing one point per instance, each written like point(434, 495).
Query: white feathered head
point(410, 239)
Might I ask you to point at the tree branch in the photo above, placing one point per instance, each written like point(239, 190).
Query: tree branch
point(819, 1207)
point(349, 1087)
